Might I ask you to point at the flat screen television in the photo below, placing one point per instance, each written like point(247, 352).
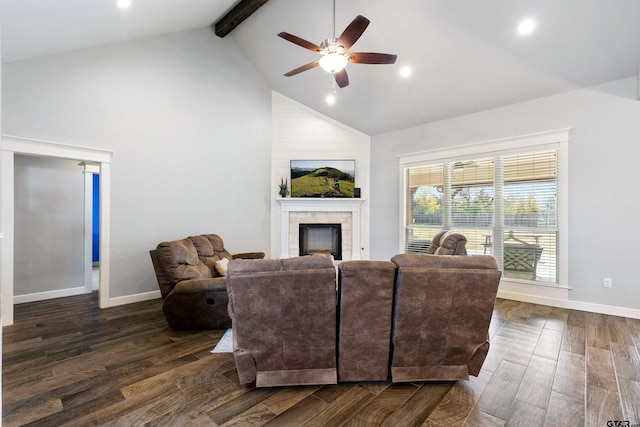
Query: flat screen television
point(323, 178)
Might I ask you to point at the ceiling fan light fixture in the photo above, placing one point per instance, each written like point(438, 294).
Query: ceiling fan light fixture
point(335, 52)
point(333, 62)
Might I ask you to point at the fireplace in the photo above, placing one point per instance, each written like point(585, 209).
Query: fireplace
point(296, 211)
point(318, 238)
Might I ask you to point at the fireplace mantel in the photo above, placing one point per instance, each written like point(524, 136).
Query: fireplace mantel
point(312, 204)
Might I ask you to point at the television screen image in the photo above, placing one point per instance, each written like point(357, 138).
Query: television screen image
point(323, 178)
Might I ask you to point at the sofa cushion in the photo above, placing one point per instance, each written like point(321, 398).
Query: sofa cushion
point(180, 260)
point(213, 284)
point(448, 242)
point(210, 249)
point(202, 245)
point(221, 266)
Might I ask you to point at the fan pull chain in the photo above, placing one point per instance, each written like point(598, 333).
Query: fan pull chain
point(331, 98)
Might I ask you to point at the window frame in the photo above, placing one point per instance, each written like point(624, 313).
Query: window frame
point(549, 140)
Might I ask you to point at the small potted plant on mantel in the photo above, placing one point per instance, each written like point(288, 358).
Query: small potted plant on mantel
point(284, 187)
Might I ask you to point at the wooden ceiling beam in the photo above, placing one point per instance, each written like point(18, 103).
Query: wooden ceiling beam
point(235, 16)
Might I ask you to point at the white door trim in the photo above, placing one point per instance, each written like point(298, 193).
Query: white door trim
point(12, 145)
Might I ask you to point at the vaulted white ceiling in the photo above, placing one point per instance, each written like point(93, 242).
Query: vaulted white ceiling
point(465, 54)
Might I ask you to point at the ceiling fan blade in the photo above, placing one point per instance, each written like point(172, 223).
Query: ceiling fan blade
point(303, 68)
point(352, 33)
point(300, 42)
point(372, 58)
point(342, 78)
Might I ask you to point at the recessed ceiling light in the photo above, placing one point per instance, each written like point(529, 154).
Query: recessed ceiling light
point(123, 4)
point(405, 72)
point(526, 27)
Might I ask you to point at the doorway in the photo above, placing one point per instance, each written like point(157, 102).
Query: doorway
point(15, 145)
point(49, 205)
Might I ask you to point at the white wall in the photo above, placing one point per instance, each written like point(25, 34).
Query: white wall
point(300, 133)
point(189, 123)
point(603, 176)
point(49, 226)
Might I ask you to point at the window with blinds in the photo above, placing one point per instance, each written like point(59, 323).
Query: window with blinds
point(506, 205)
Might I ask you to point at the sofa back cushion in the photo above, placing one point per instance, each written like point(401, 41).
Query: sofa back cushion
point(210, 248)
point(448, 242)
point(443, 307)
point(365, 301)
point(180, 261)
point(283, 316)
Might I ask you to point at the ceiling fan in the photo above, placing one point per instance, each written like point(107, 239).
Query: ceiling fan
point(335, 51)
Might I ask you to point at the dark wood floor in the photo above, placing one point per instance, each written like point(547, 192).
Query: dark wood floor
point(65, 362)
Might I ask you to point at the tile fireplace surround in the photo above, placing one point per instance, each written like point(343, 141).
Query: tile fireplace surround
point(294, 211)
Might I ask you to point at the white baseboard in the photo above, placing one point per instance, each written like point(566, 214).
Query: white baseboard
point(40, 296)
point(130, 299)
point(573, 305)
point(113, 302)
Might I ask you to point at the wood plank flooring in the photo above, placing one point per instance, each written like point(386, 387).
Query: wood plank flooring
point(65, 362)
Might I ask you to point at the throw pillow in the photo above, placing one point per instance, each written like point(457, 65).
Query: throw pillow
point(221, 266)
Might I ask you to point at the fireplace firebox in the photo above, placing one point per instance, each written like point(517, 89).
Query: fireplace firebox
point(320, 239)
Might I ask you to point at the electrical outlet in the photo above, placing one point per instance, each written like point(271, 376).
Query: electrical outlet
point(608, 282)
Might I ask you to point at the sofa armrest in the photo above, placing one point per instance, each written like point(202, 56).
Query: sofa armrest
point(164, 281)
point(249, 255)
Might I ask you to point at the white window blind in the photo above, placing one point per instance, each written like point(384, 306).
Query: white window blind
point(506, 205)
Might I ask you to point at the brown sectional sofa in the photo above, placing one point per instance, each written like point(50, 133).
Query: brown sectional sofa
point(417, 318)
point(193, 290)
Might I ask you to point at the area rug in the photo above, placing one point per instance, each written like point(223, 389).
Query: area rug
point(225, 345)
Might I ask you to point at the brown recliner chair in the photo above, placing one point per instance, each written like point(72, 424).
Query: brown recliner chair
point(365, 301)
point(284, 320)
point(442, 310)
point(448, 242)
point(192, 286)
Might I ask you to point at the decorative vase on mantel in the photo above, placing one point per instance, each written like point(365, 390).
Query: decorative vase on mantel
point(283, 187)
